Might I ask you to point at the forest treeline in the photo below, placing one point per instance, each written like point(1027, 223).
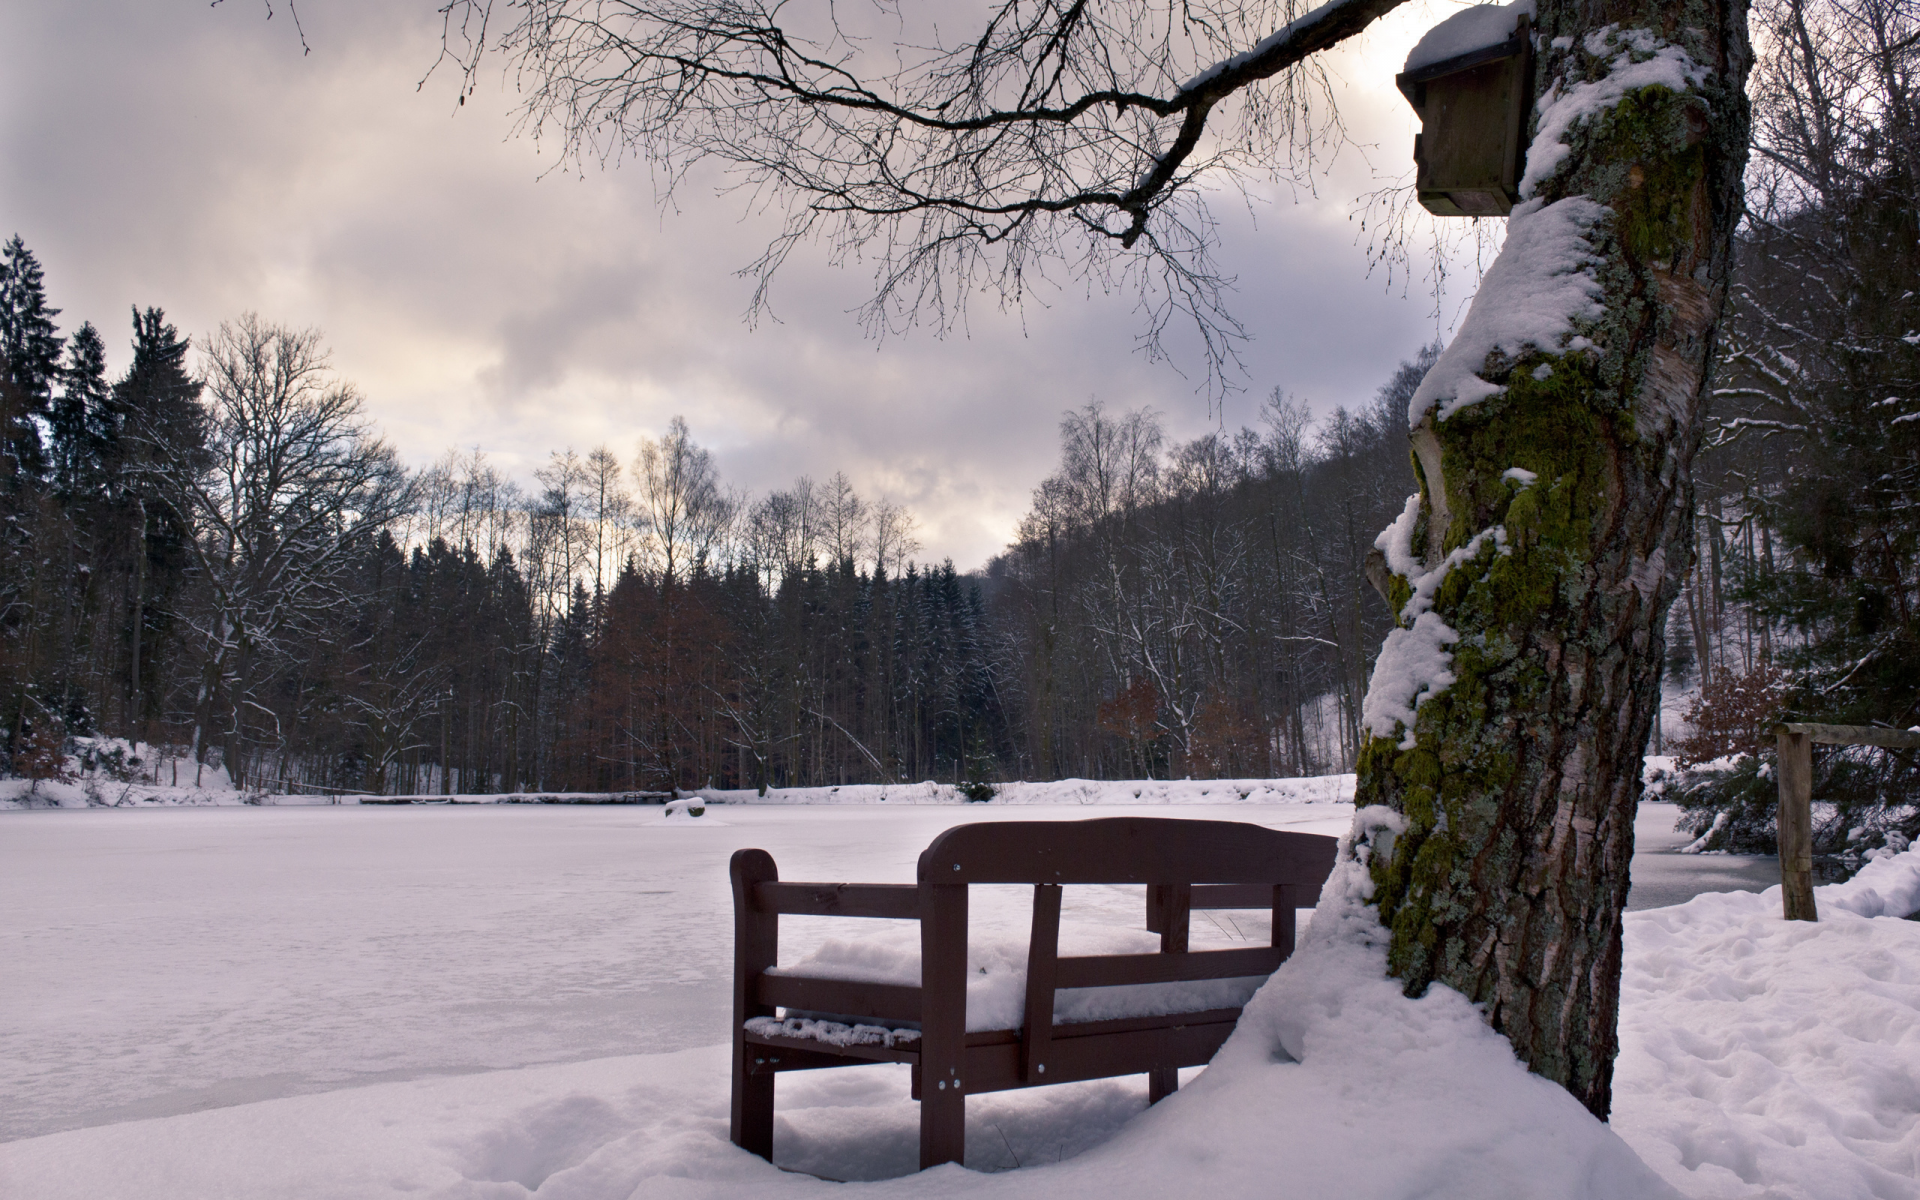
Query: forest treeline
point(216, 550)
point(219, 553)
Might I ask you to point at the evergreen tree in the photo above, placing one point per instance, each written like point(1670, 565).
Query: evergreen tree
point(154, 418)
point(157, 404)
point(81, 424)
point(30, 357)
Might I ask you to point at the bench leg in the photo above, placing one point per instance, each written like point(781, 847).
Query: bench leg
point(752, 1108)
point(1161, 1083)
point(756, 948)
point(943, 1124)
point(943, 1024)
point(1176, 917)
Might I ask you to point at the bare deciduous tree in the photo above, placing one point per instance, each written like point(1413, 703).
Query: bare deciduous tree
point(292, 476)
point(847, 519)
point(685, 512)
point(783, 531)
point(894, 542)
point(612, 516)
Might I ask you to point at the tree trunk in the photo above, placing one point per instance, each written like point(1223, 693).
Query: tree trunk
point(135, 710)
point(1540, 596)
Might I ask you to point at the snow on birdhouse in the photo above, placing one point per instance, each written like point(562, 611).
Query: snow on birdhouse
point(1471, 80)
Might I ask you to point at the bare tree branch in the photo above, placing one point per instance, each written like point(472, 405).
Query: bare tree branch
point(1068, 134)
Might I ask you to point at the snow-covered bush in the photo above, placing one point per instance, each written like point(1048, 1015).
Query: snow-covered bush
point(1732, 803)
point(1729, 803)
point(109, 758)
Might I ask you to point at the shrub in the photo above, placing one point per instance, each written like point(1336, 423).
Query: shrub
point(1734, 714)
point(42, 755)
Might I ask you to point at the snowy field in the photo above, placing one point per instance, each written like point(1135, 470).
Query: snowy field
point(491, 1002)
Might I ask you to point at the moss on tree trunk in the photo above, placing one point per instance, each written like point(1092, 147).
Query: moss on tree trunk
point(1521, 779)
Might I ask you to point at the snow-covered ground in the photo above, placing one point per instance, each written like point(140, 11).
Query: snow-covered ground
point(164, 960)
point(502, 1001)
point(1765, 1057)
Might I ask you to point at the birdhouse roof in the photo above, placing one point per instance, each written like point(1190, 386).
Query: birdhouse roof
point(1475, 34)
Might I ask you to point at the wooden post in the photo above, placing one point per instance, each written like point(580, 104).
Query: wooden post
point(1795, 770)
point(1796, 741)
point(943, 1023)
point(756, 948)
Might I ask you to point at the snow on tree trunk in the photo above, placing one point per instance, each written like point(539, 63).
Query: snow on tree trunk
point(1507, 716)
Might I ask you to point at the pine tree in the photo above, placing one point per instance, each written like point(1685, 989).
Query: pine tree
point(157, 405)
point(155, 416)
point(81, 425)
point(30, 357)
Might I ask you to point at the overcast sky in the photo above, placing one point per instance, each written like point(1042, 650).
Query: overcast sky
point(164, 152)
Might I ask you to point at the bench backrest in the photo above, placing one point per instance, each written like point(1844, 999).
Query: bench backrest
point(1242, 865)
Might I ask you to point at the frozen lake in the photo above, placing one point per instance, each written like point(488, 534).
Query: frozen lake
point(167, 961)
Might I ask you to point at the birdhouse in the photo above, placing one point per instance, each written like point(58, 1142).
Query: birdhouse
point(1472, 145)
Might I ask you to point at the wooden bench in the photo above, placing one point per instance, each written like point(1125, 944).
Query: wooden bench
point(1187, 865)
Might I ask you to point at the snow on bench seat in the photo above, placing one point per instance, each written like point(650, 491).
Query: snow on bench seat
point(832, 1033)
point(997, 980)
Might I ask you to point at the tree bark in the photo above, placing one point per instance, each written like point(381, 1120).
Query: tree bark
point(1519, 777)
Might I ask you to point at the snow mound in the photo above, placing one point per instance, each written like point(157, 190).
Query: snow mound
point(1362, 1091)
point(687, 810)
point(1540, 284)
point(1888, 886)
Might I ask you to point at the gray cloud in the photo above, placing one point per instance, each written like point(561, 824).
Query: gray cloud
point(192, 158)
